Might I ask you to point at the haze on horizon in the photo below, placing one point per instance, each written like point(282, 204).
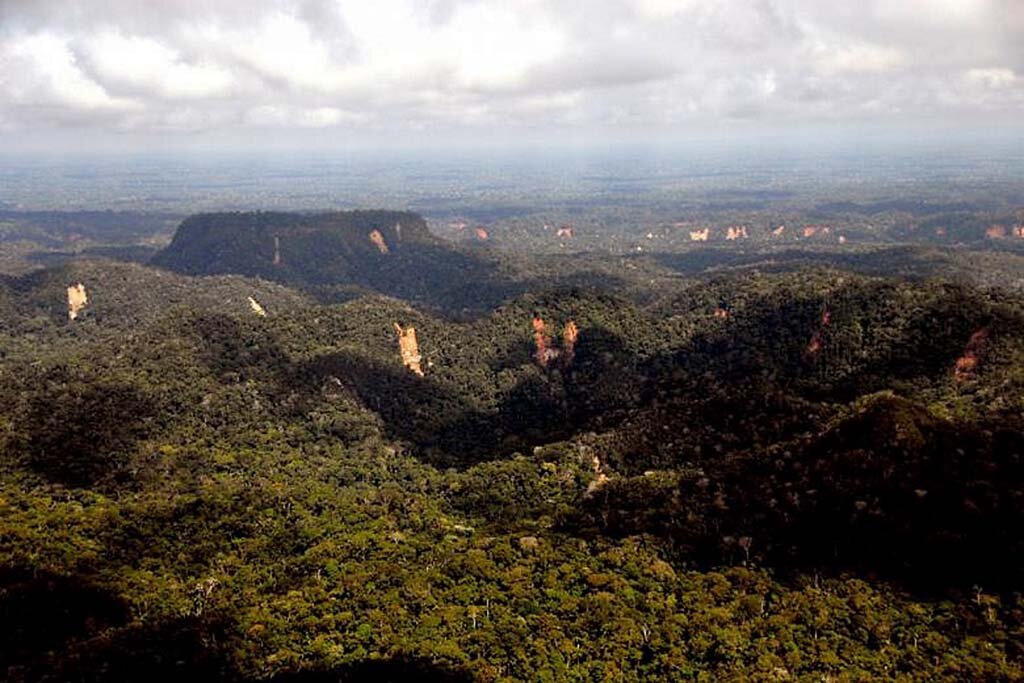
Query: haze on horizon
point(114, 75)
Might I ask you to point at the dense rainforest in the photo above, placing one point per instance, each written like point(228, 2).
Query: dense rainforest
point(787, 464)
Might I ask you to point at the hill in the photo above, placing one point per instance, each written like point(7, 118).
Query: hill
point(336, 254)
point(747, 473)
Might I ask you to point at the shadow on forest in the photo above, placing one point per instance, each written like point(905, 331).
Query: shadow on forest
point(397, 670)
point(445, 430)
point(857, 498)
point(62, 628)
point(41, 612)
point(890, 491)
point(83, 435)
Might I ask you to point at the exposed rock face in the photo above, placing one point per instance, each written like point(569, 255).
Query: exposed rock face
point(779, 231)
point(736, 232)
point(814, 346)
point(482, 235)
point(77, 300)
point(257, 308)
point(996, 232)
point(967, 364)
point(546, 353)
point(409, 349)
point(320, 248)
point(601, 478)
point(569, 336)
point(721, 313)
point(813, 230)
point(700, 235)
point(565, 231)
point(334, 248)
point(378, 241)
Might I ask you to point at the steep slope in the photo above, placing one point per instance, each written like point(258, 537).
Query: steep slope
point(390, 252)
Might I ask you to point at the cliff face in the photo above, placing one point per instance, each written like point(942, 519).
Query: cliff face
point(257, 308)
point(77, 300)
point(378, 241)
point(409, 349)
point(974, 350)
point(736, 232)
point(546, 353)
point(320, 247)
point(814, 346)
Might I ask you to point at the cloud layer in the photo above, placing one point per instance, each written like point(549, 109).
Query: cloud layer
point(490, 65)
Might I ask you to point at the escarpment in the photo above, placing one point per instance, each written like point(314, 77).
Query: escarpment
point(337, 253)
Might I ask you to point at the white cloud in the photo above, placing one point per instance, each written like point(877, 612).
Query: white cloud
point(282, 116)
point(41, 69)
point(145, 65)
point(856, 58)
point(416, 64)
point(992, 78)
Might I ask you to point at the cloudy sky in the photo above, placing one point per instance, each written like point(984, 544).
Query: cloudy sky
point(107, 72)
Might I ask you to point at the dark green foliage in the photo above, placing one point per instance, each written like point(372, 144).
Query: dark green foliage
point(82, 434)
point(324, 250)
point(191, 491)
point(888, 489)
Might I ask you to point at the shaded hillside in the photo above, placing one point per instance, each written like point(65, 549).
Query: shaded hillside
point(385, 251)
point(704, 489)
point(888, 488)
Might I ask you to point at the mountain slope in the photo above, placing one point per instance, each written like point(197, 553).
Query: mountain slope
point(390, 252)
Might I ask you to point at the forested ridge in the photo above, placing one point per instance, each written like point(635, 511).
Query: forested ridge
point(797, 468)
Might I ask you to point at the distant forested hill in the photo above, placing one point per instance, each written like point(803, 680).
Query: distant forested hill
point(390, 252)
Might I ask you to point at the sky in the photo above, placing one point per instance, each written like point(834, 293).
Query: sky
point(226, 74)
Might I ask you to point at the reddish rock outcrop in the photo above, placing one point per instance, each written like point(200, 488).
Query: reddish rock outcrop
point(814, 230)
point(967, 363)
point(736, 232)
point(996, 232)
point(814, 346)
point(545, 352)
